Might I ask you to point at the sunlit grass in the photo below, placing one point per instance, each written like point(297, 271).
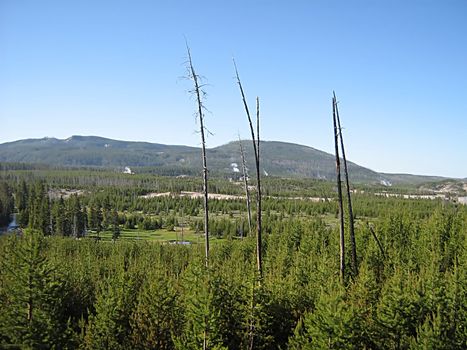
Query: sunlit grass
point(162, 235)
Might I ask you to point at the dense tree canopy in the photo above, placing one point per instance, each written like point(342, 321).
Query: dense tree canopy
point(61, 289)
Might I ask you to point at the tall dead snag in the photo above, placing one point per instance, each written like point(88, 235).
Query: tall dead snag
point(258, 196)
point(339, 192)
point(353, 245)
point(258, 173)
point(199, 94)
point(377, 241)
point(245, 182)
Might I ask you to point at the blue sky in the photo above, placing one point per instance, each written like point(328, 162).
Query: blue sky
point(115, 69)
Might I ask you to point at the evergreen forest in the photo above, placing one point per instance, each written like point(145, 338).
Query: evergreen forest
point(95, 264)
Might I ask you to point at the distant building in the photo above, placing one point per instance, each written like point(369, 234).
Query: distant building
point(128, 171)
point(462, 200)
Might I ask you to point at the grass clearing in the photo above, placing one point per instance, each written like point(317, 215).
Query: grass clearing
point(161, 235)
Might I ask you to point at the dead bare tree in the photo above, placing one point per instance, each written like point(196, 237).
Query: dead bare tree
point(258, 173)
point(339, 192)
point(199, 93)
point(245, 182)
point(353, 246)
point(258, 197)
point(377, 241)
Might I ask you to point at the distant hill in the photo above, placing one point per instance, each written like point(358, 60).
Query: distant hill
point(278, 158)
point(289, 160)
point(411, 179)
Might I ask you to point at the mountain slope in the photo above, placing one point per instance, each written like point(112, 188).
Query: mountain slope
point(292, 160)
point(91, 151)
point(278, 158)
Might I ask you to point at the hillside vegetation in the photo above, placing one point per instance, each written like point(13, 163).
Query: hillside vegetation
point(278, 158)
point(92, 267)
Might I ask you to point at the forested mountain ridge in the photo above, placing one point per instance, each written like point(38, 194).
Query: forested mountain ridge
point(278, 158)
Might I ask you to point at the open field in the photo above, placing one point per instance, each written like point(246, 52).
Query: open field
point(160, 235)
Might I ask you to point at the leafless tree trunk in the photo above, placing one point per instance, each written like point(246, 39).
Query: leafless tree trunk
point(353, 245)
point(245, 182)
point(339, 192)
point(258, 173)
point(198, 92)
point(258, 197)
point(377, 241)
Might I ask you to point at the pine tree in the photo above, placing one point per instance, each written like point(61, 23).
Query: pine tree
point(109, 327)
point(157, 316)
point(115, 225)
point(203, 327)
point(333, 324)
point(401, 310)
point(77, 217)
point(39, 208)
point(32, 315)
point(256, 320)
point(6, 204)
point(59, 220)
point(45, 216)
point(21, 201)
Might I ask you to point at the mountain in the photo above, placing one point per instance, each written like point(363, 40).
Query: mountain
point(290, 160)
point(278, 158)
point(89, 151)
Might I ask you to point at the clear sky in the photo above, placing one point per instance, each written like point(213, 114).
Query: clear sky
point(115, 68)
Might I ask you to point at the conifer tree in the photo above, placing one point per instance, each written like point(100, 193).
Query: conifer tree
point(256, 320)
point(333, 324)
point(115, 225)
point(109, 327)
point(32, 316)
point(203, 328)
point(95, 217)
point(156, 318)
point(21, 202)
point(6, 204)
point(400, 310)
point(76, 216)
